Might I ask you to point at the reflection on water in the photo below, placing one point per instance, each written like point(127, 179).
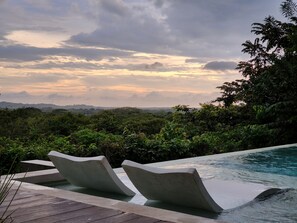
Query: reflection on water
point(275, 168)
point(65, 185)
point(278, 208)
point(280, 161)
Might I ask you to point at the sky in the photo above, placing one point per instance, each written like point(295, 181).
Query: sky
point(115, 53)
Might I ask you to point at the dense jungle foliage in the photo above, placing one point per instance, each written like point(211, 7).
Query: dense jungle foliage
point(258, 110)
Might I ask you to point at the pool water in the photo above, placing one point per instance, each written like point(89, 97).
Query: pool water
point(278, 208)
point(280, 161)
point(274, 167)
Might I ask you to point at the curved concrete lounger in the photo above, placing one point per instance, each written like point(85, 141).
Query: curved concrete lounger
point(90, 172)
point(184, 187)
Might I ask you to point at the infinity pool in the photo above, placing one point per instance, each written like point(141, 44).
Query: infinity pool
point(276, 164)
point(274, 167)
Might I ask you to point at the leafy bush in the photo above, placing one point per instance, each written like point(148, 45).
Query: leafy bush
point(239, 138)
point(11, 151)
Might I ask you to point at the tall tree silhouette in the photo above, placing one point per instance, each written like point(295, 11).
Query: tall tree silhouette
point(269, 76)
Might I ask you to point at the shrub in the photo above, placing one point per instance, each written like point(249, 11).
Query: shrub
point(11, 151)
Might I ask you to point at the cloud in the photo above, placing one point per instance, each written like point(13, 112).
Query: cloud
point(47, 16)
point(20, 53)
point(59, 97)
point(194, 28)
point(114, 98)
point(193, 60)
point(137, 28)
point(46, 78)
point(156, 66)
point(215, 28)
point(209, 29)
point(141, 34)
point(59, 65)
point(143, 83)
point(28, 53)
point(153, 66)
point(78, 82)
point(21, 97)
point(20, 81)
point(114, 7)
point(159, 3)
point(91, 65)
point(220, 65)
point(25, 97)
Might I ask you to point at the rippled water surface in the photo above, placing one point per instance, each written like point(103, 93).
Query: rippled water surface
point(279, 161)
point(274, 168)
point(278, 208)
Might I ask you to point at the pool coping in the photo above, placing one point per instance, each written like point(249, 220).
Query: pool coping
point(218, 156)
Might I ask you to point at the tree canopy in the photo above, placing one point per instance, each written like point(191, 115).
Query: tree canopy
point(269, 82)
point(270, 73)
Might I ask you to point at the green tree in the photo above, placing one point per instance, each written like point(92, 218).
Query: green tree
point(107, 121)
point(64, 123)
point(270, 75)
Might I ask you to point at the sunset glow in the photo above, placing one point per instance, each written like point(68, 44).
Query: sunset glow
point(121, 53)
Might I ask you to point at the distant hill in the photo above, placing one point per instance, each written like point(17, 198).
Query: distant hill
point(86, 109)
point(42, 106)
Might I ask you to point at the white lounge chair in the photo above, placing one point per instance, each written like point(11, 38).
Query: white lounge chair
point(89, 172)
point(184, 187)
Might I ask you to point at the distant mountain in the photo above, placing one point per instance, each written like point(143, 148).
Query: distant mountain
point(11, 105)
point(76, 108)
